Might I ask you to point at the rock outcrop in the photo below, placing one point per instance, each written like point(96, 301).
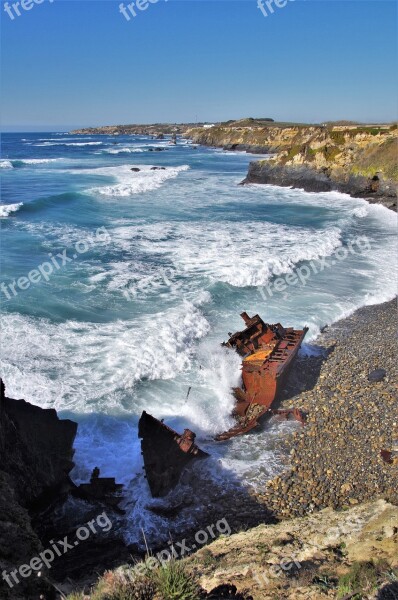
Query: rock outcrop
point(375, 189)
point(357, 160)
point(36, 452)
point(307, 558)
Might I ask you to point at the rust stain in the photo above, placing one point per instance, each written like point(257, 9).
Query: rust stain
point(268, 352)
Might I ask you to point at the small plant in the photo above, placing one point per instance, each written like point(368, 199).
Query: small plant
point(207, 558)
point(173, 583)
point(324, 582)
point(263, 549)
point(363, 578)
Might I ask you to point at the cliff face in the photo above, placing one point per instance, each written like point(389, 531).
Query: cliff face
point(360, 161)
point(36, 451)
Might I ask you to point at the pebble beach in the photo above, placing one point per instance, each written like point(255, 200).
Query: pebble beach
point(350, 394)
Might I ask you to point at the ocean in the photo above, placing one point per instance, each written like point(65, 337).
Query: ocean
point(118, 287)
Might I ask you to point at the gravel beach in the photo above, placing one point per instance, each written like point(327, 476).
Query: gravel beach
point(352, 416)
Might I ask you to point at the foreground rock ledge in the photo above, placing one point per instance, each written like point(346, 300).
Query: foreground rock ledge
point(326, 543)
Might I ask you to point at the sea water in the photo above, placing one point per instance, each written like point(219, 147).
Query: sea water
point(135, 317)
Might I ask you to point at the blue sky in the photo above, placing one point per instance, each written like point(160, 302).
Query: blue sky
point(73, 63)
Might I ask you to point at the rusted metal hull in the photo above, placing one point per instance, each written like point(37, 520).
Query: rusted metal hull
point(268, 352)
point(166, 453)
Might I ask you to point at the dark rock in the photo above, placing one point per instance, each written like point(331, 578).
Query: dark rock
point(36, 451)
point(158, 168)
point(312, 180)
point(225, 592)
point(135, 169)
point(377, 375)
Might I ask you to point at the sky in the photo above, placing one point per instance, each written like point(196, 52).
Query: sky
point(80, 63)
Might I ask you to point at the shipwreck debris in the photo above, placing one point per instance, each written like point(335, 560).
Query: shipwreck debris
point(268, 352)
point(166, 453)
point(100, 489)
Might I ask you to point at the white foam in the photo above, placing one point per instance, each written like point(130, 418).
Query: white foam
point(123, 150)
point(94, 366)
point(247, 255)
point(6, 164)
point(130, 182)
point(37, 161)
point(69, 144)
point(7, 209)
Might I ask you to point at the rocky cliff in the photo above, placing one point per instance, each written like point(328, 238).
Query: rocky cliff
point(357, 160)
point(36, 451)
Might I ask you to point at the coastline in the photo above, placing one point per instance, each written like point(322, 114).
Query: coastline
point(337, 492)
point(375, 190)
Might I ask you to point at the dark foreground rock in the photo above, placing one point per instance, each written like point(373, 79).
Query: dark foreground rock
point(38, 512)
point(374, 189)
point(36, 451)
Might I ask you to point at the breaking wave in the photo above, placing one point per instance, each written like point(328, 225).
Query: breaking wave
point(8, 209)
point(85, 366)
point(226, 254)
point(5, 164)
point(130, 182)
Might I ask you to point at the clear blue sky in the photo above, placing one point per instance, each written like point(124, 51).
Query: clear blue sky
point(80, 63)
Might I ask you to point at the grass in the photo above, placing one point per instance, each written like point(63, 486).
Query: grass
point(173, 583)
point(167, 582)
point(380, 158)
point(364, 578)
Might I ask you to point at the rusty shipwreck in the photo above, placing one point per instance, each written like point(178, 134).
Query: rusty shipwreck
point(268, 352)
point(166, 453)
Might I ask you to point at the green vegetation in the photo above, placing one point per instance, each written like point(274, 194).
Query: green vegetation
point(167, 582)
point(364, 578)
point(338, 137)
point(330, 152)
point(381, 158)
point(369, 130)
point(173, 583)
point(294, 150)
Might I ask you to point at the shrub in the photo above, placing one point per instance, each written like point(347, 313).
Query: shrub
point(363, 578)
point(338, 137)
point(173, 583)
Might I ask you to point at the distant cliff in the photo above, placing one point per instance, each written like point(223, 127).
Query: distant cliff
point(155, 129)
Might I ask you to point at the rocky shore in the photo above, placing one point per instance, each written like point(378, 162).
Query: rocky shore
point(336, 462)
point(352, 408)
point(374, 189)
point(336, 502)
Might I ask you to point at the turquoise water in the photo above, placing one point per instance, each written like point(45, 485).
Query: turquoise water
point(158, 266)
